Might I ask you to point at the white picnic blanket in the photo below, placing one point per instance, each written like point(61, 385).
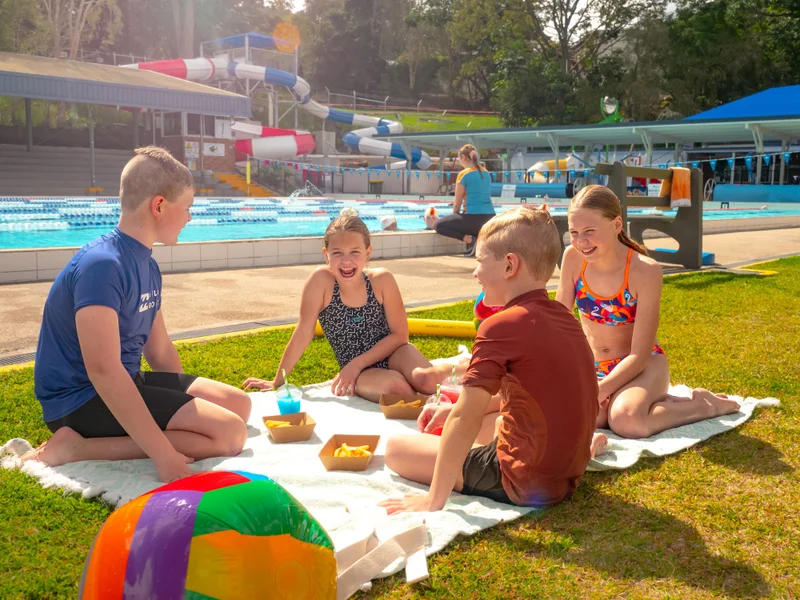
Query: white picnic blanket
point(297, 467)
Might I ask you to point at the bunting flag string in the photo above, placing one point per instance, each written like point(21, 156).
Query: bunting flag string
point(506, 176)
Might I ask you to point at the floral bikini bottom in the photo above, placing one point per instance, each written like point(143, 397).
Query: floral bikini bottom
point(604, 367)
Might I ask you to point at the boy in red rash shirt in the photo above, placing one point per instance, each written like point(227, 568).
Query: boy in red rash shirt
point(536, 356)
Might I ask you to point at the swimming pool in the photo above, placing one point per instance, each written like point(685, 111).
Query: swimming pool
point(61, 222)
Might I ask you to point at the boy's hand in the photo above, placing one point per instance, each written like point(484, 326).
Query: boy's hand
point(251, 383)
point(174, 466)
point(433, 416)
point(345, 382)
point(409, 504)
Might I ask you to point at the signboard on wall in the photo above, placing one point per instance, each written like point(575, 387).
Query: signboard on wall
point(509, 190)
point(191, 149)
point(213, 149)
point(222, 129)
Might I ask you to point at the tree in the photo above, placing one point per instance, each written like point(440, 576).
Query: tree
point(341, 46)
point(529, 89)
point(421, 42)
point(714, 56)
point(183, 16)
point(478, 35)
point(71, 21)
point(20, 26)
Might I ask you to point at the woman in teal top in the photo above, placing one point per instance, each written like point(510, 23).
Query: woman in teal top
point(473, 185)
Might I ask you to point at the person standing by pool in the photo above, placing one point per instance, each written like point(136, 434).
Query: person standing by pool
point(474, 193)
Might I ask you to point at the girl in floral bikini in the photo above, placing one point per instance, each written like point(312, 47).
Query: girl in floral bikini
point(619, 311)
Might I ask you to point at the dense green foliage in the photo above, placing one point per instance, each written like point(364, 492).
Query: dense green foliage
point(533, 61)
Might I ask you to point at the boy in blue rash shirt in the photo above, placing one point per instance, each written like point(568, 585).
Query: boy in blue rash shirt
point(102, 314)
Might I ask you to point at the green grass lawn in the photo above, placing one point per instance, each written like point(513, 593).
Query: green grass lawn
point(718, 520)
point(430, 121)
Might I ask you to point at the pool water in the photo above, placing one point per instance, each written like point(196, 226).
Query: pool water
point(61, 222)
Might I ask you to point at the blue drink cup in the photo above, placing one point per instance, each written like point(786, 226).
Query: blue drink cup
point(289, 400)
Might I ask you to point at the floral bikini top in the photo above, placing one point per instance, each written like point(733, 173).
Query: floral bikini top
point(619, 309)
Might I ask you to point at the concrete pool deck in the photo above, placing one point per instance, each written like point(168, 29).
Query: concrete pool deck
point(203, 303)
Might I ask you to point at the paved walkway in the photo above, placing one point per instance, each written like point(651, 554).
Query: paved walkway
point(207, 300)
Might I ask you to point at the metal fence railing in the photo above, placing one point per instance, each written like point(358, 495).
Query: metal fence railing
point(106, 58)
point(355, 101)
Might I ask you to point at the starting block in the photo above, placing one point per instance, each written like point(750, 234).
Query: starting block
point(709, 258)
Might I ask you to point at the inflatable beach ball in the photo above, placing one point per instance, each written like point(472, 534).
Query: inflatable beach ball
point(483, 311)
point(223, 535)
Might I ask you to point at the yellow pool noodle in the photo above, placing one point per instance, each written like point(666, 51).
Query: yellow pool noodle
point(441, 328)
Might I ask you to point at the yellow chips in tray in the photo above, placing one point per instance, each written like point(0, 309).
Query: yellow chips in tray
point(345, 451)
point(414, 404)
point(281, 424)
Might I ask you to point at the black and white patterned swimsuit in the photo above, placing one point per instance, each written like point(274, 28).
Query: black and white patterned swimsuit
point(353, 331)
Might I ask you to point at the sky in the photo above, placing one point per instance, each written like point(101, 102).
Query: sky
point(298, 4)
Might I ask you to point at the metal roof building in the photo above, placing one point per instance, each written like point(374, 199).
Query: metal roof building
point(39, 78)
point(680, 133)
point(771, 117)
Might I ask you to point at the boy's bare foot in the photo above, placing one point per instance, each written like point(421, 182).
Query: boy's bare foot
point(58, 450)
point(719, 404)
point(599, 443)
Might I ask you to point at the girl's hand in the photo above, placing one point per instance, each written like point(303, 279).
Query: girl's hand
point(252, 383)
point(345, 382)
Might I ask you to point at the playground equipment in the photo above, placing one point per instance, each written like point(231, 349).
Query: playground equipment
point(536, 173)
point(284, 143)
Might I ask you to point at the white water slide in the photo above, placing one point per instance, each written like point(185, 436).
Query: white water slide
point(285, 143)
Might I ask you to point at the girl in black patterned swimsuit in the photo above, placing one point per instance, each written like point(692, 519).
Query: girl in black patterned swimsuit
point(364, 319)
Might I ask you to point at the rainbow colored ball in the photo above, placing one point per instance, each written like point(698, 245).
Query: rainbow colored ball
point(224, 534)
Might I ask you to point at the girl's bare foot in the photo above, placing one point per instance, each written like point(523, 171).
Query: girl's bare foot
point(60, 449)
point(599, 443)
point(719, 404)
point(671, 398)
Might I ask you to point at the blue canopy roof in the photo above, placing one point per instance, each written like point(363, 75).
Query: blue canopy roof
point(257, 40)
point(774, 102)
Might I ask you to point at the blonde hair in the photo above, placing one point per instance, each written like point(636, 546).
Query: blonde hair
point(347, 223)
point(471, 153)
point(603, 200)
point(153, 171)
point(528, 232)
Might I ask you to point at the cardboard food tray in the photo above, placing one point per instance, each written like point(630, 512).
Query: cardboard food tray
point(387, 402)
point(295, 433)
point(348, 463)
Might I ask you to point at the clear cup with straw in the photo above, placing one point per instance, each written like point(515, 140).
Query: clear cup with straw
point(438, 397)
point(288, 397)
point(451, 387)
